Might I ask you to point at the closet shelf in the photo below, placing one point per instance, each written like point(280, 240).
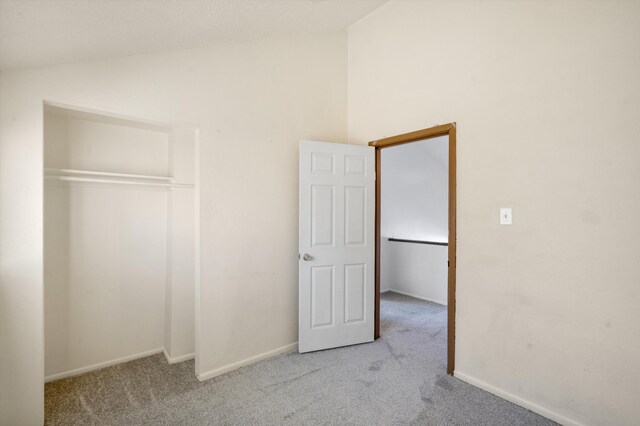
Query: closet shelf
point(63, 172)
point(71, 175)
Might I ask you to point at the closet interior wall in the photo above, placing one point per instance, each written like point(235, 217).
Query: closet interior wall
point(119, 250)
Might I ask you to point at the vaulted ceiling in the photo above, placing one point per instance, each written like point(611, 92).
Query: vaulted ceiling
point(35, 33)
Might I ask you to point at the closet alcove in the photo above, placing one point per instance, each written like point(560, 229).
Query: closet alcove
point(119, 240)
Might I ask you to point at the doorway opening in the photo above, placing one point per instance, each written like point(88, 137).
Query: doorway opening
point(425, 238)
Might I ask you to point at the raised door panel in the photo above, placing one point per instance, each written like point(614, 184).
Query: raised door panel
point(322, 163)
point(355, 218)
point(322, 296)
point(355, 165)
point(354, 292)
point(322, 215)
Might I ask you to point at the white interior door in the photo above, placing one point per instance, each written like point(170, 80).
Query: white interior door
point(336, 245)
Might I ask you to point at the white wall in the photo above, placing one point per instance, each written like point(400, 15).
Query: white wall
point(182, 227)
point(179, 339)
point(253, 102)
point(546, 99)
point(105, 273)
point(415, 190)
point(89, 142)
point(416, 270)
point(414, 206)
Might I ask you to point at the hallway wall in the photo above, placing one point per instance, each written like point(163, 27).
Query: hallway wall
point(415, 206)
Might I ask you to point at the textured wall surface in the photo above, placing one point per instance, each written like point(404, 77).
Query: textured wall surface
point(546, 98)
point(253, 102)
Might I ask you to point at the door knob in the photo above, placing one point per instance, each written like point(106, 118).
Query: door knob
point(306, 257)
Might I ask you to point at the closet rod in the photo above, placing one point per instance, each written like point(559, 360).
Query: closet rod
point(94, 173)
point(120, 181)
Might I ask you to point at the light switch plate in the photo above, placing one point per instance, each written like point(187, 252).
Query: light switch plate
point(505, 216)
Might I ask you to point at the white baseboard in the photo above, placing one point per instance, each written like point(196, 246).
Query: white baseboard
point(177, 359)
point(219, 371)
point(101, 365)
point(415, 296)
point(529, 405)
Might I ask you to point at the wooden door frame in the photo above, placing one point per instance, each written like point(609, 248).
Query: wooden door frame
point(432, 132)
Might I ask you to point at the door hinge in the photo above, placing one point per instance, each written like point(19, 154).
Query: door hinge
point(447, 262)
